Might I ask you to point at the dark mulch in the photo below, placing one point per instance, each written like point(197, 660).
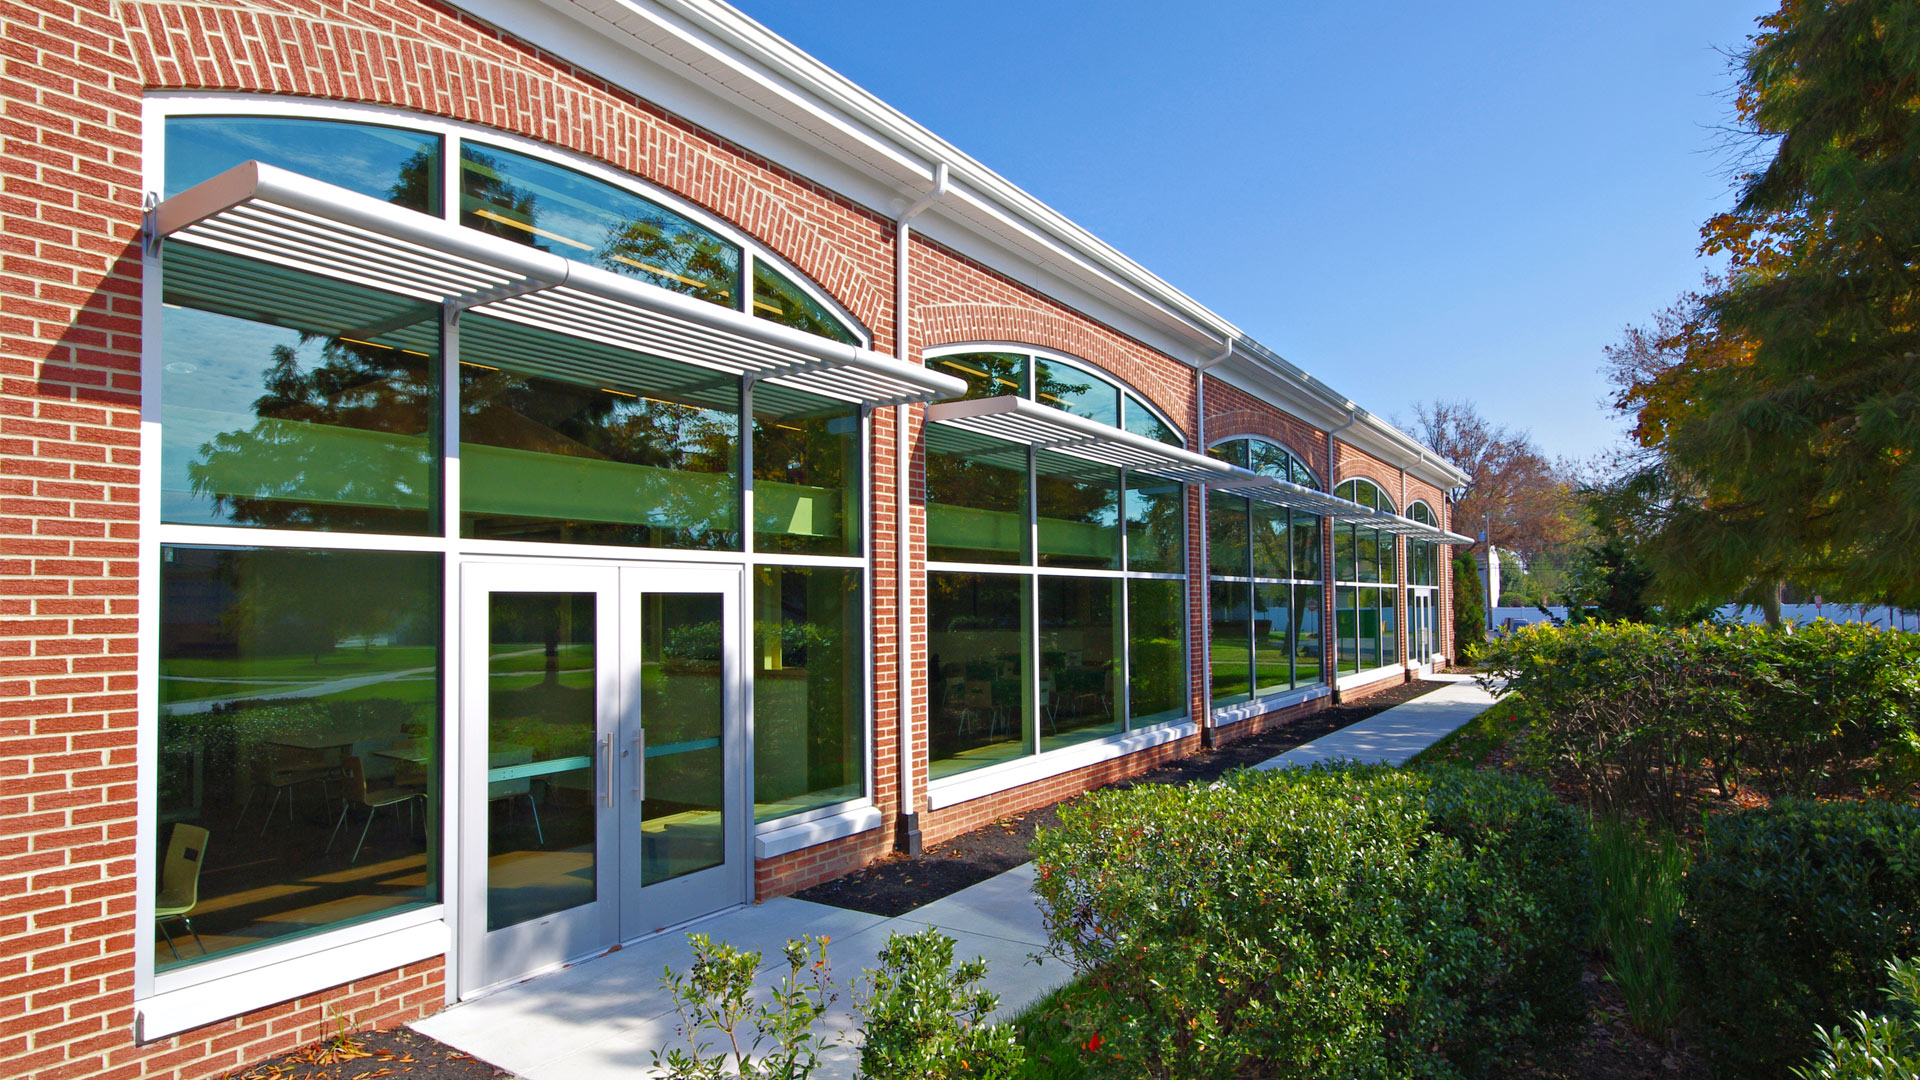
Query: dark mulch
point(1608, 1048)
point(900, 883)
point(373, 1054)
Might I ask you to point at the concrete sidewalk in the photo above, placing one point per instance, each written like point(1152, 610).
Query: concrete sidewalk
point(603, 1017)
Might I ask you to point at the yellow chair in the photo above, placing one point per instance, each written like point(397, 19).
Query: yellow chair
point(180, 882)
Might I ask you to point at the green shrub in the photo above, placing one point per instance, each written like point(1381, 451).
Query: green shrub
point(716, 999)
point(1876, 1047)
point(1646, 719)
point(1329, 922)
point(1637, 881)
point(926, 1020)
point(1790, 913)
point(1469, 607)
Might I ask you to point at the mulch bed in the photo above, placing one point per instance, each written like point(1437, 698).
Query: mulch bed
point(1608, 1048)
point(373, 1054)
point(900, 883)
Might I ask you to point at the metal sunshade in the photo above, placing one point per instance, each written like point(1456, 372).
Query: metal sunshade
point(284, 219)
point(1018, 420)
point(1278, 492)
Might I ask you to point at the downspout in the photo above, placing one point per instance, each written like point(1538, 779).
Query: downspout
point(1206, 582)
point(1331, 641)
point(909, 839)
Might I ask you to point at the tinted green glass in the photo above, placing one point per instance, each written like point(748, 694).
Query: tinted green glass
point(1227, 533)
point(1368, 612)
point(1346, 624)
point(808, 682)
point(1272, 543)
point(576, 216)
point(293, 685)
point(1389, 627)
point(1272, 639)
point(1366, 543)
point(976, 497)
point(1308, 645)
point(1306, 547)
point(1079, 512)
point(542, 778)
point(1233, 452)
point(1079, 660)
point(1269, 459)
point(290, 401)
point(1142, 420)
point(986, 374)
point(1230, 666)
point(394, 164)
point(979, 670)
point(1389, 564)
point(806, 473)
point(777, 299)
point(1081, 393)
point(1157, 651)
point(1156, 525)
point(1345, 569)
point(651, 462)
point(683, 817)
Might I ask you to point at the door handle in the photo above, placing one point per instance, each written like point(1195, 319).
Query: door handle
point(606, 752)
point(640, 764)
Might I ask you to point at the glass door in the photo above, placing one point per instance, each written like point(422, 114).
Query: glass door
point(541, 709)
point(601, 757)
point(685, 821)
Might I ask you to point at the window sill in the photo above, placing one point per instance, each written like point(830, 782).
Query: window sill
point(995, 779)
point(1371, 676)
point(775, 839)
point(1229, 715)
point(367, 950)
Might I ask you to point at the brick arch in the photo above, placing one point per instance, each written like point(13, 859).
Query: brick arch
point(438, 62)
point(941, 325)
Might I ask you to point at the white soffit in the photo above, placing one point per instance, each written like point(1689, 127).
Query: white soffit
point(261, 212)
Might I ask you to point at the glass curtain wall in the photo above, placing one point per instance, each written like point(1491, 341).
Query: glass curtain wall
point(1366, 583)
point(301, 731)
point(1056, 591)
point(1264, 584)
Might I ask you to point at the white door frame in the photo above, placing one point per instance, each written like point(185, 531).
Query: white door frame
point(621, 910)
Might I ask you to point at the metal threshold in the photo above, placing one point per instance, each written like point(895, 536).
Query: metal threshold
point(261, 212)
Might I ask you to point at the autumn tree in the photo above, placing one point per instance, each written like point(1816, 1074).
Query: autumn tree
point(1779, 408)
point(1522, 498)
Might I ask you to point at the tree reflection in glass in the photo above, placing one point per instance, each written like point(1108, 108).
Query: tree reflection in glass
point(293, 402)
point(653, 461)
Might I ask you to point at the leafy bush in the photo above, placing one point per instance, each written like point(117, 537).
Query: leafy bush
point(1646, 719)
point(1330, 922)
point(925, 1020)
point(716, 997)
point(1789, 914)
point(1876, 1047)
point(1637, 884)
point(1469, 608)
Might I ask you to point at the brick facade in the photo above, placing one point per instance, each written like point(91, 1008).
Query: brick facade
point(71, 195)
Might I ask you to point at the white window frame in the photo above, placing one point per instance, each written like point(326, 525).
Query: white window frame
point(254, 978)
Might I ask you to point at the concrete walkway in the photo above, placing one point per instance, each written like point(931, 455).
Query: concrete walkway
point(603, 1017)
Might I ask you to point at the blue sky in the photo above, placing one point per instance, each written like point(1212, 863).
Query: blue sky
point(1409, 200)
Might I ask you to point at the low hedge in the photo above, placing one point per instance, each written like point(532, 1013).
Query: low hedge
point(1646, 719)
point(1791, 914)
point(1329, 922)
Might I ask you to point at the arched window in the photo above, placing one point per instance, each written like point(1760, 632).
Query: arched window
point(1056, 592)
point(1365, 598)
point(1263, 569)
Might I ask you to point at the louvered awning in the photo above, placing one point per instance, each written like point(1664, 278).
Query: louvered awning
point(1017, 420)
point(261, 212)
point(1277, 492)
point(1388, 522)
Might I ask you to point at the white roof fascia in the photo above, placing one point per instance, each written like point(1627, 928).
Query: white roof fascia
point(809, 117)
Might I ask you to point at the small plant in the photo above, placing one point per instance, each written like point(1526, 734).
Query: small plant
point(1882, 1047)
point(716, 996)
point(926, 1020)
point(1638, 881)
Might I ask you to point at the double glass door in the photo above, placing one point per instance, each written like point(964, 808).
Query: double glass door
point(1424, 642)
point(603, 778)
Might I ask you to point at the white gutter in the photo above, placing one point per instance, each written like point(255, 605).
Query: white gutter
point(902, 502)
point(1206, 583)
